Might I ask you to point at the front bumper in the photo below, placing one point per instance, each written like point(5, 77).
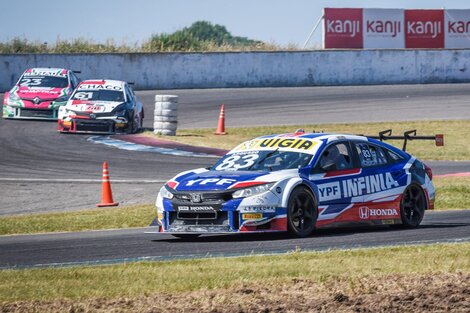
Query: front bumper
point(95, 126)
point(10, 112)
point(222, 215)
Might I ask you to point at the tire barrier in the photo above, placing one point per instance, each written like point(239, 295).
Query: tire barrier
point(165, 115)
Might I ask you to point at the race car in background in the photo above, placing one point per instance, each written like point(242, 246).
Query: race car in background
point(39, 93)
point(299, 182)
point(102, 106)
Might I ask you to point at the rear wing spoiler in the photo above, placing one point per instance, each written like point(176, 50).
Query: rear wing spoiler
point(408, 135)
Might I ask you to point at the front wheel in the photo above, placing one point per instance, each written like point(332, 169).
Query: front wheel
point(412, 206)
point(302, 212)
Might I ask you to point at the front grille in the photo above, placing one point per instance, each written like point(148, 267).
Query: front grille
point(205, 197)
point(94, 125)
point(196, 215)
point(181, 223)
point(36, 113)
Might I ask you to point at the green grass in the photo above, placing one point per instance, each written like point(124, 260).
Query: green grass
point(452, 193)
point(457, 145)
point(103, 218)
point(200, 274)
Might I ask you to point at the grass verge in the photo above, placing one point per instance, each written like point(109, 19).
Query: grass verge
point(102, 218)
point(457, 146)
point(142, 279)
point(451, 194)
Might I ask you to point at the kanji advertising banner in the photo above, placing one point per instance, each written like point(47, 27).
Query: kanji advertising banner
point(383, 28)
point(424, 29)
point(457, 28)
point(395, 29)
point(342, 28)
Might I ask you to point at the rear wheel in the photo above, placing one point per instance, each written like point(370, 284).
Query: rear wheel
point(412, 206)
point(302, 212)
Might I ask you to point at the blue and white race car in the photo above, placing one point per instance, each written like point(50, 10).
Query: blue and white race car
point(299, 182)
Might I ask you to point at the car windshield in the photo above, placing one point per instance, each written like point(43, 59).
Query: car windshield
point(103, 95)
point(262, 160)
point(44, 81)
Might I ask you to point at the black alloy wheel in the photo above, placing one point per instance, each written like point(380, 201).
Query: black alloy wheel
point(412, 206)
point(302, 212)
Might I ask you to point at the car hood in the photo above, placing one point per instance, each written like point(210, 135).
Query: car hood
point(40, 92)
point(88, 106)
point(215, 180)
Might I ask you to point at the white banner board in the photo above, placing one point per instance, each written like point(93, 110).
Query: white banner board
point(383, 28)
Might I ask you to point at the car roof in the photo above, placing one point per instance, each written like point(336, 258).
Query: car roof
point(98, 84)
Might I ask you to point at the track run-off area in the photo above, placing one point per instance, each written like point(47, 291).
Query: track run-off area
point(42, 170)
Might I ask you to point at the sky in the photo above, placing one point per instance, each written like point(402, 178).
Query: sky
point(133, 21)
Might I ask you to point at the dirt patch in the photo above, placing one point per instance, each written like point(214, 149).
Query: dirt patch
point(393, 293)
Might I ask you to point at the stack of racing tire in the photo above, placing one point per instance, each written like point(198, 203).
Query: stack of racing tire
point(166, 115)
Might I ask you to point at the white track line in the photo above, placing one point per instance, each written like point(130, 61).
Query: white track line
point(79, 180)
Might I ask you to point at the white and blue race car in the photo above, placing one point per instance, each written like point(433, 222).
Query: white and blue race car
point(298, 182)
point(101, 106)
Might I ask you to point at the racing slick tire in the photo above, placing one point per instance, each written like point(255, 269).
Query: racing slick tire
point(412, 206)
point(186, 236)
point(302, 212)
point(136, 123)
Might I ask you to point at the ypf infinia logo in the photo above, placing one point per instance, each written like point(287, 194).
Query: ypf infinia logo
point(36, 100)
point(196, 197)
point(364, 212)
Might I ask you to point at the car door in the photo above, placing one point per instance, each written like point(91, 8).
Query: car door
point(383, 174)
point(337, 176)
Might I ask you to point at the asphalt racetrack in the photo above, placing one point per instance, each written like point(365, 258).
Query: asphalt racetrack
point(107, 247)
point(42, 170)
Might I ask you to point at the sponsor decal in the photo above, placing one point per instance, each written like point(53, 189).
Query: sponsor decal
point(424, 28)
point(357, 186)
point(265, 209)
point(45, 73)
point(368, 184)
point(342, 28)
point(252, 216)
point(330, 191)
point(99, 87)
point(217, 181)
point(286, 143)
point(201, 208)
point(366, 213)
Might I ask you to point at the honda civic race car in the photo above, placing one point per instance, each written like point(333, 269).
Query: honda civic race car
point(299, 182)
point(102, 106)
point(39, 93)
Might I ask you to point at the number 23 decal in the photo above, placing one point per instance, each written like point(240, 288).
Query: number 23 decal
point(30, 82)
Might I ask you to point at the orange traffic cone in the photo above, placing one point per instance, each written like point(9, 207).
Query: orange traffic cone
point(221, 125)
point(107, 194)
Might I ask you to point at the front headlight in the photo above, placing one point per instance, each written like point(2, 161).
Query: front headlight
point(14, 97)
point(251, 191)
point(165, 193)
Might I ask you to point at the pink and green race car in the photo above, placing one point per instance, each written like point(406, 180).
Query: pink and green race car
point(39, 93)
